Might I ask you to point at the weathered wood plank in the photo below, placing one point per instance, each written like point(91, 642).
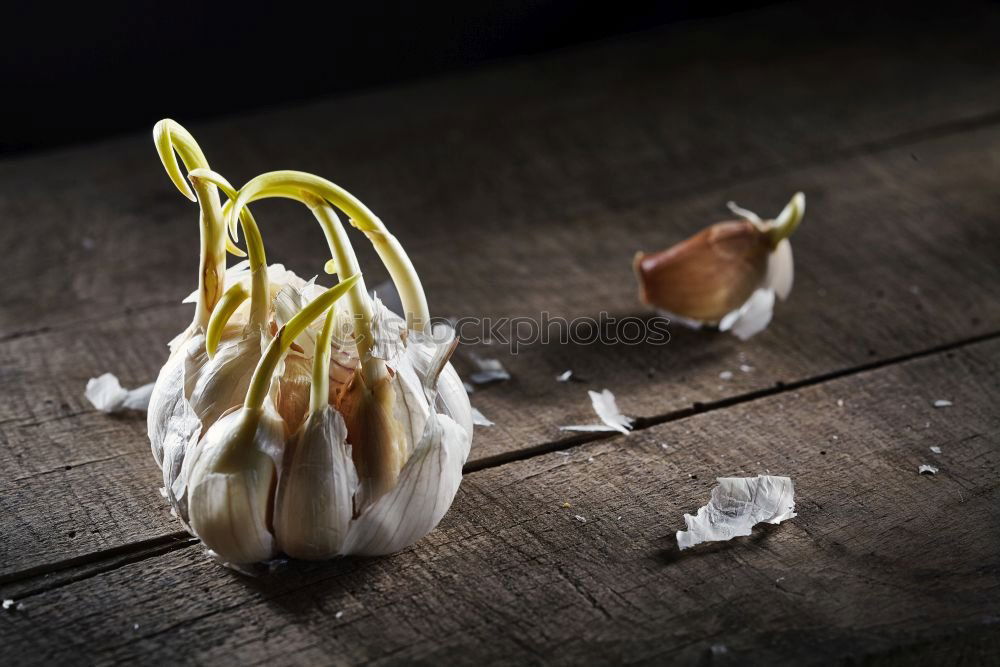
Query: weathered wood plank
point(519, 161)
point(580, 134)
point(880, 561)
point(897, 256)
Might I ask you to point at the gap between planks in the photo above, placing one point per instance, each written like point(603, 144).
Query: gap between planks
point(932, 132)
point(99, 562)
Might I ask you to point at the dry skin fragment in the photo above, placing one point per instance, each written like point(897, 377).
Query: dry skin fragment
point(607, 409)
point(565, 376)
point(736, 506)
point(479, 419)
point(941, 403)
point(936, 449)
point(926, 469)
point(387, 293)
point(107, 395)
point(487, 370)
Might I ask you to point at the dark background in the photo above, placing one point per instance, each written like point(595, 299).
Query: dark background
point(78, 72)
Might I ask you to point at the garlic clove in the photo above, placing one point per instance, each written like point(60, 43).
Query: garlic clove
point(727, 275)
point(707, 276)
point(219, 384)
point(425, 490)
point(231, 484)
point(377, 438)
point(430, 479)
point(316, 484)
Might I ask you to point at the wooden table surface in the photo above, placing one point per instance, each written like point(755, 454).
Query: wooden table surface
point(525, 187)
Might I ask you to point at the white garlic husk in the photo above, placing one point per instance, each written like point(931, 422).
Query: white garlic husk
point(168, 390)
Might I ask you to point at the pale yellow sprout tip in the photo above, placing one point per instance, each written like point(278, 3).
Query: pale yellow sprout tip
point(788, 220)
point(224, 310)
point(234, 249)
point(165, 149)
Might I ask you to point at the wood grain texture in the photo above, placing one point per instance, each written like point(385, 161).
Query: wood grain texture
point(898, 252)
point(583, 134)
point(924, 275)
point(544, 176)
point(881, 564)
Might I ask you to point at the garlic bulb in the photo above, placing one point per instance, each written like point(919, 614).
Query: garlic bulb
point(297, 419)
point(727, 275)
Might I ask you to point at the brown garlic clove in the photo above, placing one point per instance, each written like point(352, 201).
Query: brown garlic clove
point(708, 275)
point(377, 438)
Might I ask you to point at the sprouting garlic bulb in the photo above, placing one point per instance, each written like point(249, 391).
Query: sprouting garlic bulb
point(297, 419)
point(727, 275)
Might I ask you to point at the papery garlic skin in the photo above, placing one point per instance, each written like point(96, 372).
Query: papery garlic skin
point(183, 431)
point(780, 270)
point(313, 503)
point(231, 483)
point(452, 398)
point(168, 390)
point(727, 275)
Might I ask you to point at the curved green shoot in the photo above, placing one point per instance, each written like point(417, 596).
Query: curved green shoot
point(171, 140)
point(319, 392)
point(788, 220)
point(260, 290)
point(292, 184)
point(230, 301)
